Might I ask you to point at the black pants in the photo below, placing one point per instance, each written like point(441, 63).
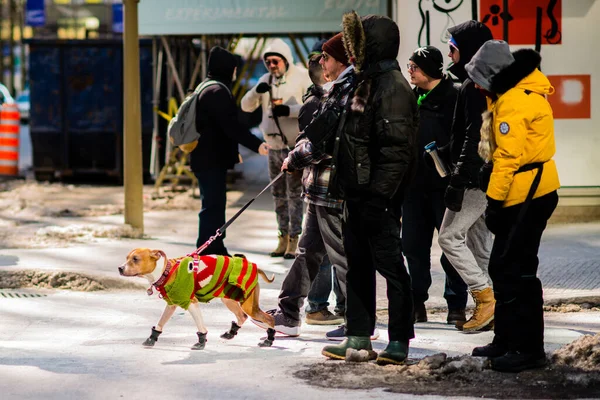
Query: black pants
point(322, 235)
point(519, 313)
point(213, 193)
point(422, 213)
point(372, 243)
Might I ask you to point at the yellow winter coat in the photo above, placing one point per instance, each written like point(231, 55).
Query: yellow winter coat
point(522, 127)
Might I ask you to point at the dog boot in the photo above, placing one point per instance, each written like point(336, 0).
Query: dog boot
point(153, 338)
point(268, 342)
point(232, 331)
point(290, 252)
point(338, 352)
point(201, 341)
point(395, 353)
point(281, 246)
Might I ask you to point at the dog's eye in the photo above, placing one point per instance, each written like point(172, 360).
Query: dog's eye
point(136, 259)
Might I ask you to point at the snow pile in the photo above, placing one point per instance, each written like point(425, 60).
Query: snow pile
point(583, 353)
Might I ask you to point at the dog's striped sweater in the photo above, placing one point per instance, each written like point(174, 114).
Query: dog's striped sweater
point(213, 276)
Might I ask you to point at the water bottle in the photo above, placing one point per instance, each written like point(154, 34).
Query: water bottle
point(440, 165)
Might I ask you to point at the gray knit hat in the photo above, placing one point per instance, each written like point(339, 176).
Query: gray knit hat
point(490, 59)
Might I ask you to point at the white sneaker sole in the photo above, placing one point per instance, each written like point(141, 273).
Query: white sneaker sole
point(284, 330)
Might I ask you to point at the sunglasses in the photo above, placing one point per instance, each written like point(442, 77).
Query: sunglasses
point(272, 61)
point(452, 49)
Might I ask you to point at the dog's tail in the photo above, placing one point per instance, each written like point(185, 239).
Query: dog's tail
point(264, 276)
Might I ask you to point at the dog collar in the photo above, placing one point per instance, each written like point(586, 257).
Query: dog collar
point(161, 281)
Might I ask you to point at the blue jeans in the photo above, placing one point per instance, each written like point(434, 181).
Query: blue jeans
point(318, 297)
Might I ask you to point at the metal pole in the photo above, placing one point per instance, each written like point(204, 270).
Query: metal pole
point(22, 44)
point(11, 47)
point(132, 130)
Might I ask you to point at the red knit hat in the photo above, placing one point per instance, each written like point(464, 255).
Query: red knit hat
point(335, 48)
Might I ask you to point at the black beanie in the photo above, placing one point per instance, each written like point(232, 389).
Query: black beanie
point(430, 60)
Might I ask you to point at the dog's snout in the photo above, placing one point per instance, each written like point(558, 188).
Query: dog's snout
point(121, 269)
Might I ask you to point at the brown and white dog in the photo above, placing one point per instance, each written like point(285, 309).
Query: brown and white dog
point(241, 299)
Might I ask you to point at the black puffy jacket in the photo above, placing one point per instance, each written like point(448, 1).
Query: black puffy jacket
point(470, 104)
point(436, 114)
point(377, 152)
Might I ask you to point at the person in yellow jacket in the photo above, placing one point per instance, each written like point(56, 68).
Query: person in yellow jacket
point(517, 138)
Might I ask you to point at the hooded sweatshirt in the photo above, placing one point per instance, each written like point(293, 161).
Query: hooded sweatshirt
point(290, 88)
point(470, 104)
point(217, 119)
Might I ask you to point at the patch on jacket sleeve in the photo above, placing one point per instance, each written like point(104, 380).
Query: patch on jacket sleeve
point(504, 128)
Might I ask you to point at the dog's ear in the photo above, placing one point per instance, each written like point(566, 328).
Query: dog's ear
point(156, 254)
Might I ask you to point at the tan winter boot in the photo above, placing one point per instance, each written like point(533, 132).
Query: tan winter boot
point(290, 252)
point(484, 310)
point(282, 245)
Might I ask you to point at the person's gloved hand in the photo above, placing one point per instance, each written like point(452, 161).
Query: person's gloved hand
point(493, 217)
point(485, 173)
point(262, 87)
point(281, 111)
point(454, 198)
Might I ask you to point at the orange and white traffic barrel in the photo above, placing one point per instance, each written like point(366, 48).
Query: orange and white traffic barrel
point(9, 139)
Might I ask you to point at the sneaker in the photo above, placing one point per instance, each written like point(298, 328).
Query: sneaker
point(323, 317)
point(283, 324)
point(339, 334)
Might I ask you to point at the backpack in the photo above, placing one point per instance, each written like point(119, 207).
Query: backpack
point(182, 128)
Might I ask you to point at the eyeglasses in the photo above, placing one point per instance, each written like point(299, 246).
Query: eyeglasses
point(273, 61)
point(453, 49)
point(412, 67)
point(325, 57)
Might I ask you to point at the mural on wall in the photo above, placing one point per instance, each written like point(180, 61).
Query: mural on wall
point(531, 22)
point(572, 98)
point(428, 9)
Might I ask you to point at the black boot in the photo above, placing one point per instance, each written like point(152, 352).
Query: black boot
point(489, 350)
point(515, 361)
point(201, 341)
point(420, 313)
point(153, 338)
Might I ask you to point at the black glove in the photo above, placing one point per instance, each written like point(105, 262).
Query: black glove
point(454, 198)
point(263, 87)
point(281, 111)
point(485, 173)
point(493, 217)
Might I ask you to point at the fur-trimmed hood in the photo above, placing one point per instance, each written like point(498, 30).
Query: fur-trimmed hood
point(372, 43)
point(517, 68)
point(527, 61)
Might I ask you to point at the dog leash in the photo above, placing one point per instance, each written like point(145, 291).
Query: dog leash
point(222, 229)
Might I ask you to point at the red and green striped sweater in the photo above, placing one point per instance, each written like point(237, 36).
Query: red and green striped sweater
point(216, 276)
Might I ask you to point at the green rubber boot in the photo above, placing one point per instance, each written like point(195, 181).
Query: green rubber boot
point(395, 353)
point(338, 351)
